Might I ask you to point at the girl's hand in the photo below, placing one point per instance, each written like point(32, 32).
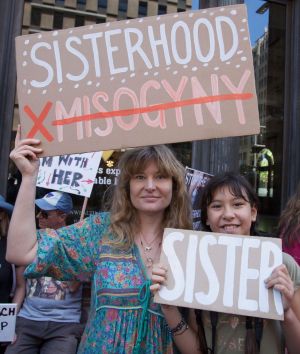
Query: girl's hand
point(24, 155)
point(281, 280)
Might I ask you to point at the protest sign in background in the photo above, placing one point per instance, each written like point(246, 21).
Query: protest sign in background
point(8, 313)
point(171, 78)
point(195, 180)
point(69, 173)
point(223, 273)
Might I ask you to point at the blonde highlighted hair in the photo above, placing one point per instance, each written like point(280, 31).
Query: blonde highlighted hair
point(124, 217)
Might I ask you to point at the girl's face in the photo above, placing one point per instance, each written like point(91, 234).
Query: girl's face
point(229, 214)
point(150, 191)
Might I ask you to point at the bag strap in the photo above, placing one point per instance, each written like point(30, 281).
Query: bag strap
point(214, 316)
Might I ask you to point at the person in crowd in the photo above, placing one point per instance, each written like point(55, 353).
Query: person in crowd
point(6, 269)
point(289, 226)
point(229, 206)
point(11, 290)
point(48, 321)
point(116, 250)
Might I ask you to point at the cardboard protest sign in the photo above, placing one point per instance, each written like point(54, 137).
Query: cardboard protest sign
point(8, 313)
point(195, 180)
point(69, 173)
point(171, 78)
point(223, 273)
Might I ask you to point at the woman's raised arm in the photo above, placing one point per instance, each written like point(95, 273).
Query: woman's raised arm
point(21, 241)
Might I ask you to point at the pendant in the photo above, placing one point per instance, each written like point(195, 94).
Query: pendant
point(148, 248)
point(149, 262)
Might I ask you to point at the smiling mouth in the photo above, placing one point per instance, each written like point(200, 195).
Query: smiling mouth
point(229, 228)
point(150, 197)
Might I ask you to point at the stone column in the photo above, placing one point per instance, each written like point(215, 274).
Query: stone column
point(11, 13)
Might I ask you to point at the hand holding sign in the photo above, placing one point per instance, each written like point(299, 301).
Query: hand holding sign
point(281, 280)
point(25, 154)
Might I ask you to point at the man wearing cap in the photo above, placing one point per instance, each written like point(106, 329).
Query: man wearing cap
point(48, 321)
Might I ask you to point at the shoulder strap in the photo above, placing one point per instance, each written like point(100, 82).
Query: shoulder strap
point(259, 327)
point(214, 321)
point(201, 333)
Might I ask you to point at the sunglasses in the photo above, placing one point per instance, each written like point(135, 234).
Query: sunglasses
point(42, 214)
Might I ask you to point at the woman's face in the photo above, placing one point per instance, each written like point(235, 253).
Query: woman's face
point(150, 191)
point(229, 214)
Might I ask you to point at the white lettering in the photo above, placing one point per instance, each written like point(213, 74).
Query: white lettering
point(247, 274)
point(214, 285)
point(175, 266)
point(80, 56)
point(42, 63)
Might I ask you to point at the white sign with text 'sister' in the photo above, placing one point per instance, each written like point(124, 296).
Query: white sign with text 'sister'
point(8, 313)
point(146, 81)
point(223, 273)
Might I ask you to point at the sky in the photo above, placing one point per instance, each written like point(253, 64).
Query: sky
point(257, 22)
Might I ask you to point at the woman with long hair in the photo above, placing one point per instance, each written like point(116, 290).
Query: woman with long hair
point(115, 250)
point(229, 206)
point(289, 226)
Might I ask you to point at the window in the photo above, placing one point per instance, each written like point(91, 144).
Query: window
point(263, 162)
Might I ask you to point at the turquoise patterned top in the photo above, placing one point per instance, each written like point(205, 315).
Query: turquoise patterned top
point(116, 316)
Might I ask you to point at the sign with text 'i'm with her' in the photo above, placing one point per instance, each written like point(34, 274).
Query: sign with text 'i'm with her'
point(69, 173)
point(164, 79)
point(223, 273)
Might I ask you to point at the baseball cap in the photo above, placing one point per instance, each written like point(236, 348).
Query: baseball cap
point(55, 201)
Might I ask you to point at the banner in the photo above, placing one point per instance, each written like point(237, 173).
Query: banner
point(223, 273)
point(69, 173)
point(8, 313)
point(146, 81)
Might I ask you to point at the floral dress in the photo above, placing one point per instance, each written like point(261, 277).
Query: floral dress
point(123, 317)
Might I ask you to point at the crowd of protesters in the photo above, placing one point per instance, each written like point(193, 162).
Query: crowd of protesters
point(118, 251)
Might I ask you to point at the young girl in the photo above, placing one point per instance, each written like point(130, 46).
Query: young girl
point(116, 251)
point(229, 206)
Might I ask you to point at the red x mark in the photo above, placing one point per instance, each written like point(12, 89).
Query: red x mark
point(38, 121)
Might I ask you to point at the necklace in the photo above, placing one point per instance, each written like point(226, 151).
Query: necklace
point(149, 258)
point(147, 251)
point(148, 246)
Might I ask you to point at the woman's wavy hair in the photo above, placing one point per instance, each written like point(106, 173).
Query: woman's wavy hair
point(124, 220)
point(237, 185)
point(289, 222)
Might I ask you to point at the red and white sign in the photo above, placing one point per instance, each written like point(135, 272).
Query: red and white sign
point(171, 78)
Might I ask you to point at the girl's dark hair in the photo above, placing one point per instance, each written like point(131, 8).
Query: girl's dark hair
point(237, 185)
point(241, 188)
